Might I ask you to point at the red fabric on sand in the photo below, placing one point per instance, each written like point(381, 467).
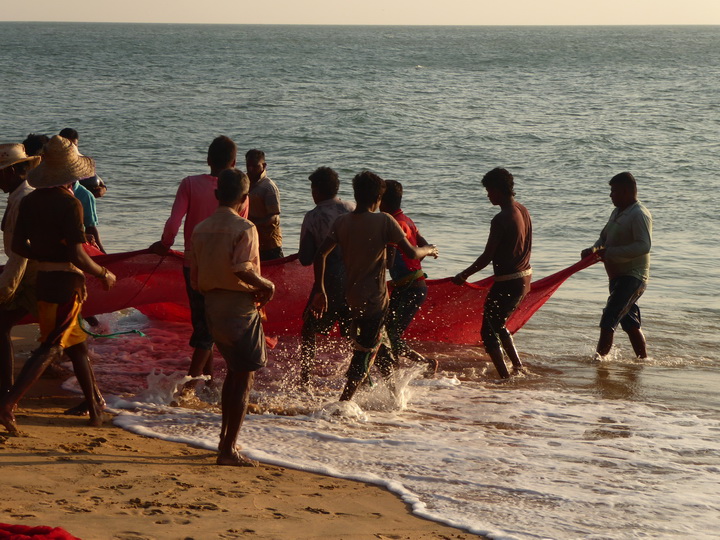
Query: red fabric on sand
point(41, 532)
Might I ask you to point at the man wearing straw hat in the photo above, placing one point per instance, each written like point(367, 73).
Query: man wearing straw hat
point(49, 230)
point(17, 280)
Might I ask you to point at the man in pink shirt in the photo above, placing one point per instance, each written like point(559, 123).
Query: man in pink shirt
point(195, 201)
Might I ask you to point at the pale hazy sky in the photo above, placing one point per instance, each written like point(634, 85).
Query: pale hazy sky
point(395, 12)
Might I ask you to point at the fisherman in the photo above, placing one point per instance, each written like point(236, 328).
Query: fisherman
point(195, 201)
point(264, 206)
point(624, 247)
point(363, 236)
point(225, 268)
point(508, 248)
point(49, 229)
point(409, 289)
point(17, 281)
point(324, 184)
point(86, 198)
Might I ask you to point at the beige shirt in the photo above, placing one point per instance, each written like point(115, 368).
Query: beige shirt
point(264, 202)
point(15, 268)
point(363, 238)
point(223, 244)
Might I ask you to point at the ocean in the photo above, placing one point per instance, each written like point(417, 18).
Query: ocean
point(624, 448)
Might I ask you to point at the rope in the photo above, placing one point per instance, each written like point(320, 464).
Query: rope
point(113, 335)
point(128, 303)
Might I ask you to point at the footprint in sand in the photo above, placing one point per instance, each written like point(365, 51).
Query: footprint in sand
point(108, 473)
point(131, 535)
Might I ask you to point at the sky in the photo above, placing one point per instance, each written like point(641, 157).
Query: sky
point(374, 12)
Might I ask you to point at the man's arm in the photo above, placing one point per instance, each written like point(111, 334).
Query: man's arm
point(82, 260)
point(599, 245)
point(482, 261)
point(319, 301)
point(413, 252)
point(11, 276)
point(265, 288)
point(96, 236)
point(421, 240)
point(172, 225)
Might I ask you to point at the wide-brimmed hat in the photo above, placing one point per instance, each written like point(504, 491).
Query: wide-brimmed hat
point(62, 164)
point(14, 153)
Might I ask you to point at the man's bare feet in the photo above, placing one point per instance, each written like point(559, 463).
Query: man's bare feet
point(7, 419)
point(81, 409)
point(236, 459)
point(98, 419)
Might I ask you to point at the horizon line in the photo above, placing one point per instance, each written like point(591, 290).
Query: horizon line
point(382, 25)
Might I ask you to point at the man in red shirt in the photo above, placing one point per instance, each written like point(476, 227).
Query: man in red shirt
point(409, 289)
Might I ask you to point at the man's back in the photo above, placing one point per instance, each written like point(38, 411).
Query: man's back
point(195, 201)
point(224, 243)
point(363, 237)
point(514, 228)
point(51, 219)
point(317, 225)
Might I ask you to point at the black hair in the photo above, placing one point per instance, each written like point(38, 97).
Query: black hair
point(70, 134)
point(500, 179)
point(34, 143)
point(368, 187)
point(255, 156)
point(392, 198)
point(624, 179)
point(222, 152)
point(232, 184)
point(325, 181)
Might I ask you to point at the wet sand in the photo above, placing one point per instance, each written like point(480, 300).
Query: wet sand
point(99, 483)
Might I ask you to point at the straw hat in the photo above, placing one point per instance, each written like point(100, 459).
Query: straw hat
point(62, 164)
point(13, 153)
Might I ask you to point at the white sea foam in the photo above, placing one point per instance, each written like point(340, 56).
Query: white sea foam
point(526, 459)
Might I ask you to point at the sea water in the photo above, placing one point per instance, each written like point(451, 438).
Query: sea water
point(576, 449)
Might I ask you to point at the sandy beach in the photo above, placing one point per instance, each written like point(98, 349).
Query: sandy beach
point(99, 483)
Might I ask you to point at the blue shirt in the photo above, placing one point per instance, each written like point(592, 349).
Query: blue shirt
point(87, 199)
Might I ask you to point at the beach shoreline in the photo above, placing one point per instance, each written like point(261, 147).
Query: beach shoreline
point(109, 483)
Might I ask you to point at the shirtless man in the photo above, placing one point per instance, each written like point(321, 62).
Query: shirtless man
point(508, 248)
point(49, 230)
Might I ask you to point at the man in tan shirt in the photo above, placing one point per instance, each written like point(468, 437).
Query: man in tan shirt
point(264, 206)
point(225, 268)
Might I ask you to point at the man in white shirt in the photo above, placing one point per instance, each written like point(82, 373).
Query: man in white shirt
point(17, 281)
point(624, 247)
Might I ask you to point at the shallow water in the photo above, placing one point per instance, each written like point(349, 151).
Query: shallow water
point(621, 449)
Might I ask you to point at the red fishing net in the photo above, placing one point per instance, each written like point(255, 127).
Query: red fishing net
point(451, 314)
